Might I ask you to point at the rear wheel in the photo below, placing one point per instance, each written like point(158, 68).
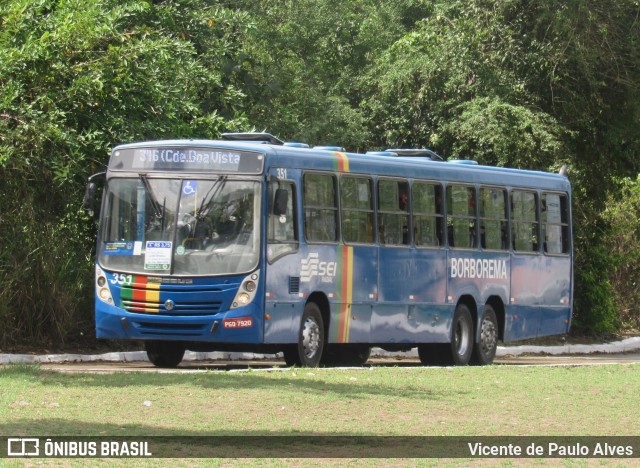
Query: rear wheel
point(461, 345)
point(485, 349)
point(308, 351)
point(458, 351)
point(165, 353)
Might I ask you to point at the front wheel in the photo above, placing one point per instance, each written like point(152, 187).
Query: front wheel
point(308, 351)
point(485, 349)
point(164, 353)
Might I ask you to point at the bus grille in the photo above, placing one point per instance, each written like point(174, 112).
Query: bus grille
point(192, 303)
point(192, 308)
point(166, 329)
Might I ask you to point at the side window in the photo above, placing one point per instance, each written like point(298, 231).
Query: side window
point(320, 208)
point(428, 215)
point(555, 223)
point(461, 216)
point(524, 221)
point(282, 235)
point(493, 219)
point(356, 200)
point(393, 212)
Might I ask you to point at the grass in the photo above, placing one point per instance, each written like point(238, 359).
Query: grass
point(376, 401)
point(495, 400)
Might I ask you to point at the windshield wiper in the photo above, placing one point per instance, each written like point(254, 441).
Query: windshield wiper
point(207, 201)
point(157, 211)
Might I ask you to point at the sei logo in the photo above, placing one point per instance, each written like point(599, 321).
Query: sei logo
point(312, 266)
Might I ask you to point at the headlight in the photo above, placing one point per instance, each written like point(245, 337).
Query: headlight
point(243, 298)
point(104, 294)
point(247, 291)
point(102, 288)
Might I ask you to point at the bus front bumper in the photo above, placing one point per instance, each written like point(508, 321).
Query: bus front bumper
point(241, 325)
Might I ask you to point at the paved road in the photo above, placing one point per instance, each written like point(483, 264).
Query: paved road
point(279, 365)
point(621, 352)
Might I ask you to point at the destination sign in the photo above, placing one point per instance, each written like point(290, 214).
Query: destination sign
point(186, 160)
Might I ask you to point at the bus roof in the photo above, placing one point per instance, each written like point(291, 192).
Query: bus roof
point(318, 158)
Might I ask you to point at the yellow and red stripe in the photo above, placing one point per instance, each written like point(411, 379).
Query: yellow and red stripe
point(342, 162)
point(345, 294)
point(144, 296)
point(345, 278)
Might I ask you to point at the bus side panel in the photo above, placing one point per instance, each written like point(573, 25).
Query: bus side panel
point(343, 275)
point(521, 322)
point(479, 275)
point(356, 289)
point(541, 297)
point(412, 296)
point(528, 277)
point(413, 323)
point(282, 300)
point(555, 312)
point(397, 274)
point(430, 286)
point(390, 321)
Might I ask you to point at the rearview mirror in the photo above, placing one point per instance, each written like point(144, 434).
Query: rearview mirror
point(280, 202)
point(89, 201)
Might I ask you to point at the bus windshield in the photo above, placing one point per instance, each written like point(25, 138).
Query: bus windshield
point(185, 227)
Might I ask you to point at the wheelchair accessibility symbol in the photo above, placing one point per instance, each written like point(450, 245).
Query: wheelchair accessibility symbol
point(189, 187)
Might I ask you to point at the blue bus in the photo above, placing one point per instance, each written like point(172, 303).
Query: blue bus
point(250, 244)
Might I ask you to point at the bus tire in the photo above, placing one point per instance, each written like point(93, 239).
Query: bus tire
point(308, 351)
point(164, 353)
point(485, 349)
point(461, 345)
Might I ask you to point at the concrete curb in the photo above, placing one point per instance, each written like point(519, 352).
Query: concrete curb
point(624, 346)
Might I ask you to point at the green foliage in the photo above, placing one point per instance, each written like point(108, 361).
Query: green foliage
point(78, 77)
point(622, 242)
point(459, 84)
point(513, 83)
point(594, 306)
point(501, 134)
point(304, 59)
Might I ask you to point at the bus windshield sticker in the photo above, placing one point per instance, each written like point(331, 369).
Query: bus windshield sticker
point(137, 248)
point(189, 187)
point(187, 159)
point(119, 248)
point(157, 255)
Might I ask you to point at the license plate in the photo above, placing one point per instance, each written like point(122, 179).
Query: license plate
point(243, 322)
